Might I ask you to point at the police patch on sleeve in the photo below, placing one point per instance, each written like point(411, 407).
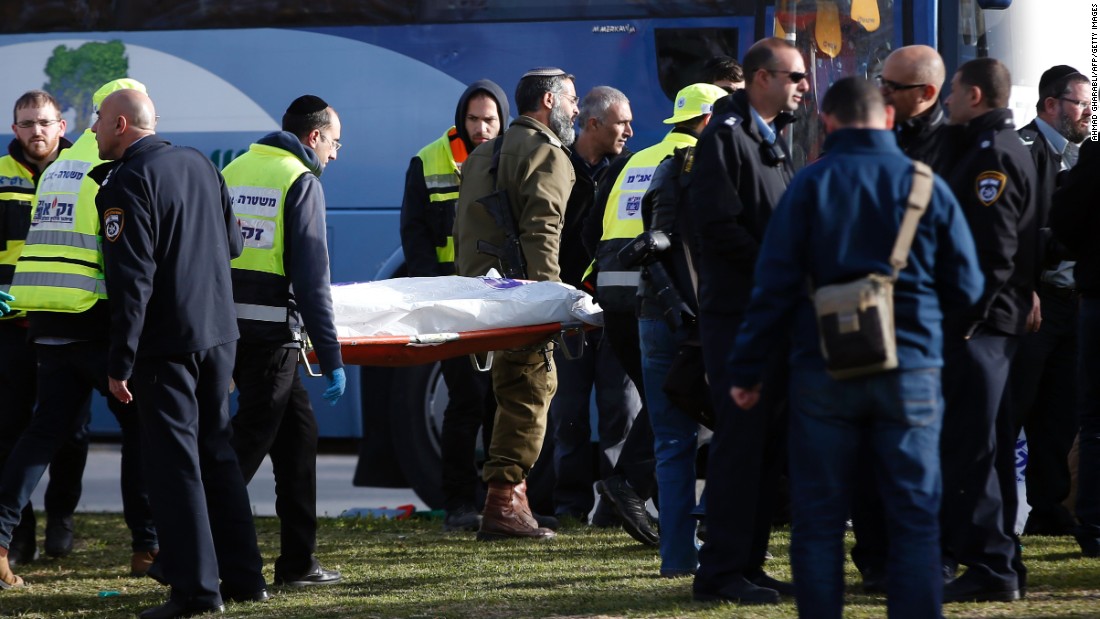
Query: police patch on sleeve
point(113, 221)
point(990, 185)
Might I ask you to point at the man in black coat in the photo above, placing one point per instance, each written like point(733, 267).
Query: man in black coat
point(1076, 224)
point(169, 233)
point(742, 167)
point(994, 181)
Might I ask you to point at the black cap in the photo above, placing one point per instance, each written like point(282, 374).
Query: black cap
point(544, 72)
point(1054, 74)
point(307, 104)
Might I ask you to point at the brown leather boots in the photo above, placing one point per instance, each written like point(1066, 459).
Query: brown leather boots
point(507, 514)
point(7, 578)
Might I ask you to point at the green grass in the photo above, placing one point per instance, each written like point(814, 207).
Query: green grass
point(413, 569)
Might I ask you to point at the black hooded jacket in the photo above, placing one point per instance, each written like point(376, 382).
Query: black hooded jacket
point(426, 225)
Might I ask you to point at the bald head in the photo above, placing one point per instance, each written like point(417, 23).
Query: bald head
point(911, 80)
point(125, 117)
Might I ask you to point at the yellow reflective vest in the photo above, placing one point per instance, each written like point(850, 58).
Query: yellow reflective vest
point(442, 177)
point(617, 286)
point(61, 267)
point(258, 182)
point(16, 198)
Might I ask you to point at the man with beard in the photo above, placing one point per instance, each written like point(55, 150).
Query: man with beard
point(1043, 381)
point(427, 218)
point(39, 138)
point(529, 166)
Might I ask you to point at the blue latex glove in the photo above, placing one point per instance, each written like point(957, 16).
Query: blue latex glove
point(336, 384)
point(6, 309)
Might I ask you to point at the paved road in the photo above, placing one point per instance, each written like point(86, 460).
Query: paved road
point(334, 490)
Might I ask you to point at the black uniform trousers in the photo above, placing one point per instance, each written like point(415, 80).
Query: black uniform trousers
point(274, 417)
point(977, 450)
point(470, 411)
point(17, 384)
point(745, 462)
point(1042, 399)
point(636, 463)
point(199, 500)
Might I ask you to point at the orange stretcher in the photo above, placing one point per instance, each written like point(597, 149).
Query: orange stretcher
point(406, 350)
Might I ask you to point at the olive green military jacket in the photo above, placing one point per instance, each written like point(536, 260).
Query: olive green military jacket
point(535, 171)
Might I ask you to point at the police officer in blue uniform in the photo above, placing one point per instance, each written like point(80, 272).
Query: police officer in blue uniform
point(168, 236)
point(994, 180)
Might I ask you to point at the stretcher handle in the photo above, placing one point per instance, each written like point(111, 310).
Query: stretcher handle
point(572, 331)
point(477, 362)
point(303, 351)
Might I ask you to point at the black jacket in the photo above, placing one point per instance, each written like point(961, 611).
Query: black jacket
point(664, 208)
point(573, 255)
point(168, 235)
point(732, 193)
point(1075, 218)
point(426, 225)
point(927, 138)
point(1048, 164)
point(994, 181)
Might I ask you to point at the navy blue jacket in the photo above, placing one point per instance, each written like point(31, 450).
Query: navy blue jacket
point(994, 181)
point(837, 222)
point(1075, 218)
point(168, 235)
point(732, 192)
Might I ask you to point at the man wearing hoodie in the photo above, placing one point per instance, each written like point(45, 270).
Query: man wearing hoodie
point(280, 283)
point(427, 217)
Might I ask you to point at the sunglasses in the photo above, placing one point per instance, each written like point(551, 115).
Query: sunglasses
point(794, 76)
point(892, 86)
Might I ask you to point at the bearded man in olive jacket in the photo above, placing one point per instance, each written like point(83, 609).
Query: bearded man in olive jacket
point(530, 163)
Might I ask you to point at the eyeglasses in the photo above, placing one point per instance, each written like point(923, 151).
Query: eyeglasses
point(794, 76)
point(336, 145)
point(1081, 105)
point(892, 86)
point(44, 123)
point(572, 98)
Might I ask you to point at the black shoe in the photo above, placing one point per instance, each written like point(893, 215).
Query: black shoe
point(547, 522)
point(1090, 545)
point(701, 531)
point(767, 582)
point(22, 552)
point(59, 537)
point(317, 576)
point(464, 518)
point(156, 572)
point(172, 609)
point(971, 589)
point(605, 516)
point(238, 596)
point(740, 591)
point(630, 507)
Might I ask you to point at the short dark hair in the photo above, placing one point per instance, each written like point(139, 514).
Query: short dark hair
point(1059, 88)
point(762, 56)
point(853, 100)
point(991, 77)
point(531, 87)
point(721, 68)
point(34, 98)
point(306, 113)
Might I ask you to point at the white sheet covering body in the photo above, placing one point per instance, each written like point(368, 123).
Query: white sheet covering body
point(424, 305)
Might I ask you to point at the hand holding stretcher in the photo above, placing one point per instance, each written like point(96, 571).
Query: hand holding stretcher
point(417, 320)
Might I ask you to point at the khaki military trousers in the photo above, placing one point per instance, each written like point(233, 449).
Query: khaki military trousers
point(524, 388)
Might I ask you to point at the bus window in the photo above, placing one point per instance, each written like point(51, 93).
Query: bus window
point(681, 53)
point(837, 38)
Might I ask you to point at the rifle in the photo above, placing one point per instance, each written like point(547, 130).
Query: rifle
point(512, 262)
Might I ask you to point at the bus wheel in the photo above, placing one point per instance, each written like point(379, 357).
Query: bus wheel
point(418, 400)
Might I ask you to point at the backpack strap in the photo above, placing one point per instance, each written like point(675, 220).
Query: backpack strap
point(920, 194)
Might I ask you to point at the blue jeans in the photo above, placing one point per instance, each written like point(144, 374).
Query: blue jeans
point(898, 416)
point(1088, 480)
point(674, 445)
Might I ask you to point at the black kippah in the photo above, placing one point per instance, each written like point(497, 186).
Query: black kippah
point(544, 72)
point(306, 104)
point(1053, 74)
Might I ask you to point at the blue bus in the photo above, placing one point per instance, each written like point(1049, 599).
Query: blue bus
point(221, 73)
